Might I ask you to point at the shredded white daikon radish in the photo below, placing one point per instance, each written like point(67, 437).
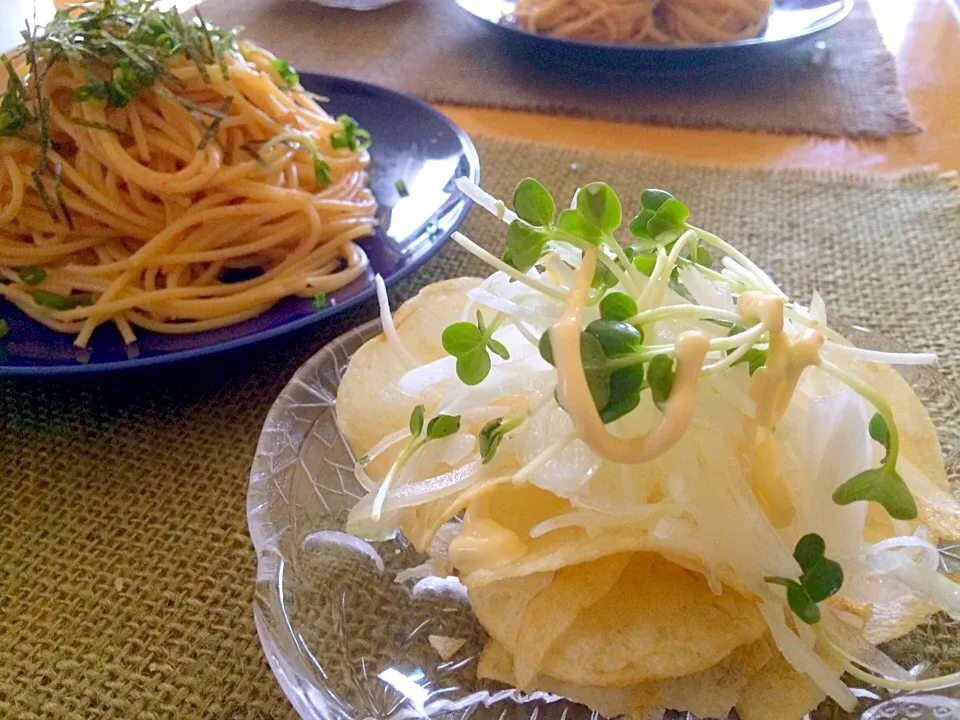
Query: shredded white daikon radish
point(818, 309)
point(485, 200)
point(855, 647)
point(423, 491)
point(707, 293)
point(593, 521)
point(804, 659)
point(389, 329)
point(877, 356)
point(386, 442)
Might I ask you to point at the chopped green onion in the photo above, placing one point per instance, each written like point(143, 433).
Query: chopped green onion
point(32, 274)
point(55, 301)
point(401, 187)
point(320, 301)
point(290, 76)
point(350, 135)
point(321, 171)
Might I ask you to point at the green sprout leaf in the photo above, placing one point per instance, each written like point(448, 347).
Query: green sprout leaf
point(599, 206)
point(493, 433)
point(401, 187)
point(670, 216)
point(754, 357)
point(499, 348)
point(603, 278)
point(652, 199)
point(524, 245)
point(660, 213)
point(442, 426)
point(320, 301)
point(638, 225)
point(416, 420)
point(4, 328)
point(617, 306)
point(546, 349)
point(490, 438)
point(821, 578)
point(594, 367)
point(474, 366)
point(617, 338)
point(625, 386)
point(573, 223)
point(533, 203)
point(470, 345)
point(660, 376)
point(755, 360)
point(32, 274)
point(615, 392)
point(461, 338)
point(882, 485)
point(880, 432)
point(802, 604)
point(700, 255)
point(809, 551)
point(645, 264)
point(286, 72)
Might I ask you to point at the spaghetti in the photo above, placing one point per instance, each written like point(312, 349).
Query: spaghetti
point(156, 173)
point(636, 22)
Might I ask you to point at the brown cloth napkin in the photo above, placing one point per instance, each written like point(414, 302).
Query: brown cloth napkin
point(433, 49)
point(126, 572)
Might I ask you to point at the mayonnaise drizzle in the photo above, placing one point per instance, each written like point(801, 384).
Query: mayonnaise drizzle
point(775, 383)
point(575, 393)
point(484, 543)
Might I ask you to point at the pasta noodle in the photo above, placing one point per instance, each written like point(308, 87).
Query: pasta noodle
point(635, 22)
point(182, 183)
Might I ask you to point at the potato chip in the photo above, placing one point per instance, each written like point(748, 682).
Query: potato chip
point(500, 607)
point(368, 404)
point(659, 621)
point(778, 692)
point(555, 608)
point(711, 693)
point(496, 663)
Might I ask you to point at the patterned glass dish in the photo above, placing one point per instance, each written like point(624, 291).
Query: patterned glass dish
point(347, 641)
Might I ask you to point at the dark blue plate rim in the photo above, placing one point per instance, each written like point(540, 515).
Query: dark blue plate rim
point(838, 16)
point(462, 207)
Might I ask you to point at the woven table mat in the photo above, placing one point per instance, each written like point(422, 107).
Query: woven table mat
point(126, 572)
point(433, 49)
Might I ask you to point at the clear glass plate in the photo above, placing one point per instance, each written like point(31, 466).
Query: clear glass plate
point(346, 641)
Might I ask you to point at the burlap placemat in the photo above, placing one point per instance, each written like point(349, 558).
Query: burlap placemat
point(126, 573)
point(433, 49)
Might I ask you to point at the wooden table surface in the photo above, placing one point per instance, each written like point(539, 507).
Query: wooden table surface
point(923, 35)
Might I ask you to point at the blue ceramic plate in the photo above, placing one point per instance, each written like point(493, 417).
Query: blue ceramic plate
point(790, 21)
point(412, 142)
